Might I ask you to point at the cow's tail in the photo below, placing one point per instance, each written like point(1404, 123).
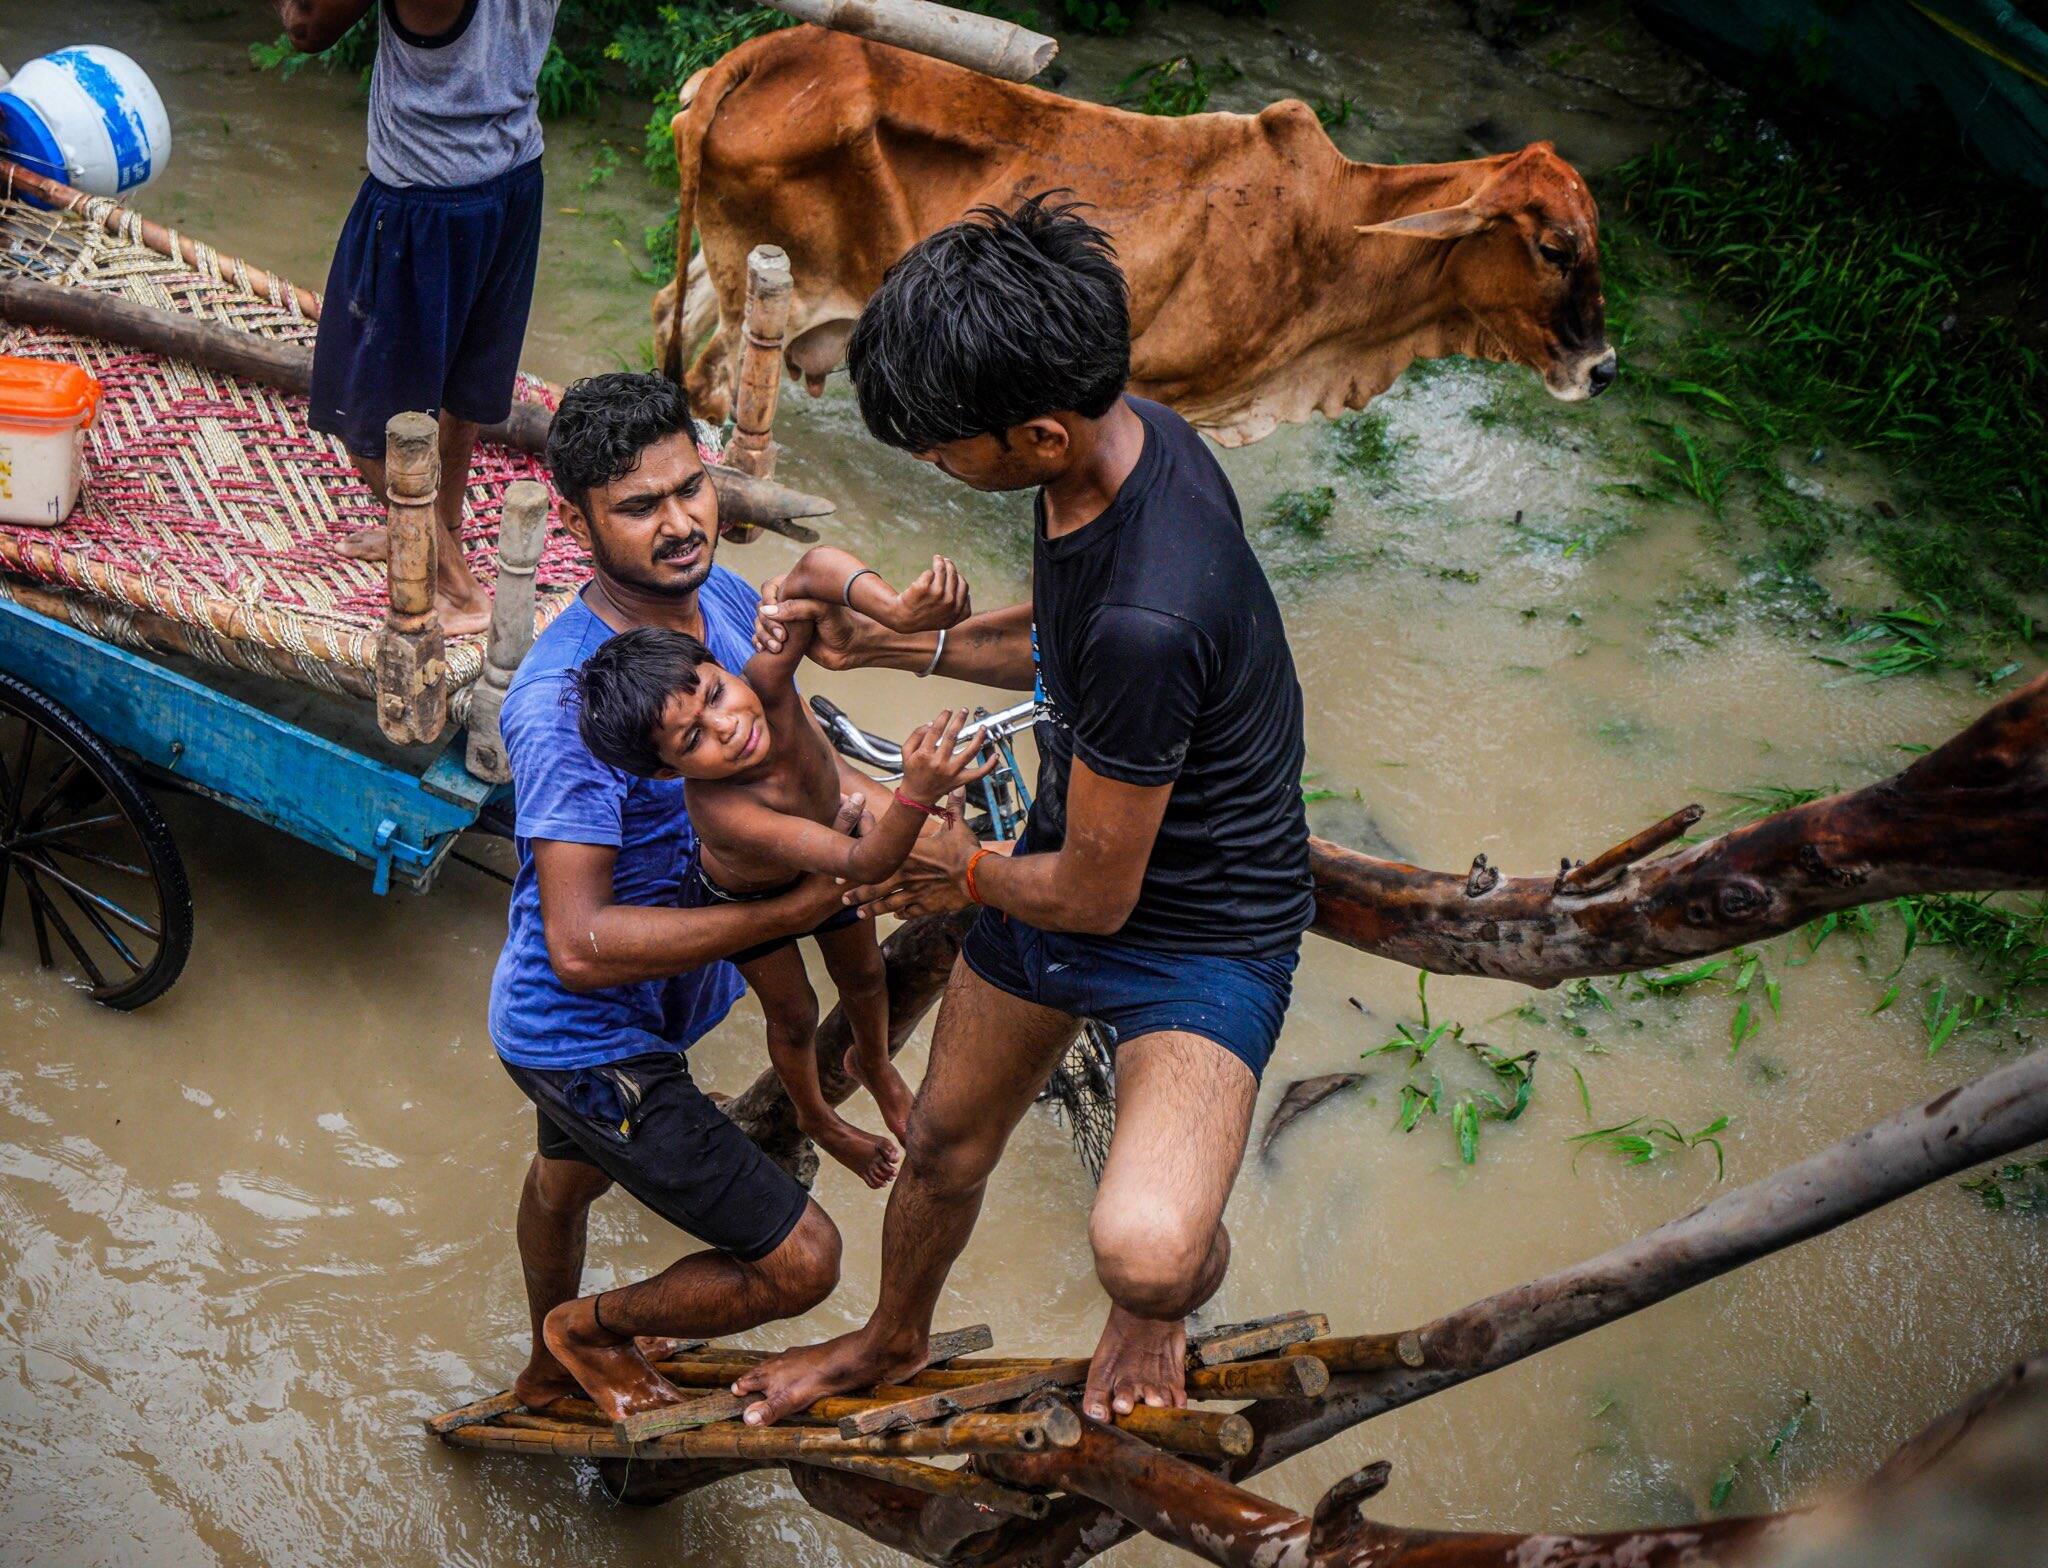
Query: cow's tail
point(699, 101)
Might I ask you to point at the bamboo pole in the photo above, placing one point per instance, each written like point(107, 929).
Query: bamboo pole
point(978, 1432)
point(521, 534)
point(412, 664)
point(1285, 1377)
point(1262, 1337)
point(980, 43)
point(1363, 1352)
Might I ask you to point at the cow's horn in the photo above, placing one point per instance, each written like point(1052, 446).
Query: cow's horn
point(1439, 223)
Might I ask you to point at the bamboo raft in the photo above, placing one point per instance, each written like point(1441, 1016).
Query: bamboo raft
point(211, 518)
point(1042, 1486)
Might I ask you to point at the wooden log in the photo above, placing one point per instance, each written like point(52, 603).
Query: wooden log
point(978, 1432)
point(520, 537)
point(1609, 863)
point(412, 663)
point(758, 382)
point(980, 43)
point(488, 1408)
point(1209, 1434)
point(1261, 1337)
point(918, 1406)
point(742, 498)
point(725, 1405)
point(1971, 816)
point(928, 1529)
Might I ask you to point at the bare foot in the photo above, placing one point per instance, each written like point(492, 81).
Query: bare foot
point(368, 544)
point(460, 617)
point(891, 1093)
point(871, 1158)
point(797, 1379)
point(1138, 1361)
point(542, 1381)
point(609, 1369)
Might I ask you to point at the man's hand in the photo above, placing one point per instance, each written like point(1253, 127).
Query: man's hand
point(932, 881)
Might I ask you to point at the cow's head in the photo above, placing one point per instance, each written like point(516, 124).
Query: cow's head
point(1528, 268)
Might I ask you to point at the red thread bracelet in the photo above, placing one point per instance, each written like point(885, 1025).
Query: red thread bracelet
point(974, 860)
point(943, 813)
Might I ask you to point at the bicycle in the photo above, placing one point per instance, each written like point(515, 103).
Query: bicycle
point(1082, 1088)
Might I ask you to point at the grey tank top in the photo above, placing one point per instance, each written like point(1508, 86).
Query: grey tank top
point(460, 107)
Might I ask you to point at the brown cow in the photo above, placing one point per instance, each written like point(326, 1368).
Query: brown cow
point(1270, 275)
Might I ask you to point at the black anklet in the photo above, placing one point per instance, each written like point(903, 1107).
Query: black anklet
point(597, 1314)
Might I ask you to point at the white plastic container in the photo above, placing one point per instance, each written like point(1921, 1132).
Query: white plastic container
point(45, 410)
point(88, 116)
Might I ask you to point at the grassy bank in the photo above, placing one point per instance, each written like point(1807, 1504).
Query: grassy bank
point(1893, 311)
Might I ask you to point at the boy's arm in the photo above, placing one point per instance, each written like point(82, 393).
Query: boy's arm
point(938, 598)
point(772, 669)
point(800, 844)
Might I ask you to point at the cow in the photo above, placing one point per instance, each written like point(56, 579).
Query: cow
point(1270, 276)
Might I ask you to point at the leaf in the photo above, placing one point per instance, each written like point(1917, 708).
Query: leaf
point(1585, 1099)
point(1304, 1094)
point(1724, 1484)
point(1465, 1122)
point(1890, 996)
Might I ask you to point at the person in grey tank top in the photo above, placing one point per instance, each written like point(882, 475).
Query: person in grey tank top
point(432, 278)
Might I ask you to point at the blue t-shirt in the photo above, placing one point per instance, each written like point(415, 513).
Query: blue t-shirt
point(564, 793)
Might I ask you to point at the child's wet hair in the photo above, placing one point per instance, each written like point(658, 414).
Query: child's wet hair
point(623, 689)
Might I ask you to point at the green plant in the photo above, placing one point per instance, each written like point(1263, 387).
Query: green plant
point(1302, 511)
point(1174, 86)
point(1643, 1139)
point(2021, 1186)
point(1785, 1431)
point(1364, 443)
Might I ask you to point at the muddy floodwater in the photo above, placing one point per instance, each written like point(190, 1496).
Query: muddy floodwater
point(252, 1233)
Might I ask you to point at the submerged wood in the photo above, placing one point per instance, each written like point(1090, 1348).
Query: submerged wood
point(212, 345)
point(978, 1432)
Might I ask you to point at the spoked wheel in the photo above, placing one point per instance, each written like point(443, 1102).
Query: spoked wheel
point(88, 871)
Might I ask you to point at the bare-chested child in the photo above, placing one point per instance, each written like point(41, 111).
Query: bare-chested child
point(763, 788)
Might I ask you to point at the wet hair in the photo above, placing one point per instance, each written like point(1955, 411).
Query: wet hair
point(623, 689)
point(997, 319)
point(603, 425)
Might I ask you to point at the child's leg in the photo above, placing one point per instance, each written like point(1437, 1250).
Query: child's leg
point(854, 960)
point(778, 979)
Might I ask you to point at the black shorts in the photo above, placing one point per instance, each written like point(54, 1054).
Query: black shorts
point(647, 1125)
point(712, 892)
point(426, 305)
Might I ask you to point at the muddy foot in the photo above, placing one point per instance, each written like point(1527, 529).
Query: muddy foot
point(891, 1093)
point(611, 1370)
point(541, 1383)
point(1139, 1361)
point(871, 1158)
point(461, 617)
point(368, 544)
point(797, 1379)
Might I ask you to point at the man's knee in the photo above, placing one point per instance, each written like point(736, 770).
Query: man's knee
point(947, 1154)
point(1152, 1261)
point(563, 1188)
point(804, 1268)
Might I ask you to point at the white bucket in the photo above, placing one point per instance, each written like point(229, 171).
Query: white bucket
point(88, 116)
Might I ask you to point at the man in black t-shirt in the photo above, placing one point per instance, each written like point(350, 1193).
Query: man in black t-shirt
point(1162, 884)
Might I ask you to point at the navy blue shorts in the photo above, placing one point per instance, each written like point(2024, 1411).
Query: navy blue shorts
point(645, 1123)
point(426, 305)
point(1238, 1003)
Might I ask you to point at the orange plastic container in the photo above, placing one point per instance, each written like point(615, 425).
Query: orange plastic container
point(45, 410)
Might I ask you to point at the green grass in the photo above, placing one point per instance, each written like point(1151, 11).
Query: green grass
point(1874, 309)
point(1731, 1473)
point(1174, 86)
point(1364, 443)
point(1302, 511)
point(2020, 1187)
point(1642, 1140)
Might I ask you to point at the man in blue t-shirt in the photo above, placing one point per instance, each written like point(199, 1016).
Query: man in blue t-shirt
point(608, 972)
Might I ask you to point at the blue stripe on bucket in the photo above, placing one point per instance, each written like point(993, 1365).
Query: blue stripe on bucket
point(28, 141)
point(124, 125)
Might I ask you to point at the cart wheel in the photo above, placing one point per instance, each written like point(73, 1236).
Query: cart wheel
point(86, 862)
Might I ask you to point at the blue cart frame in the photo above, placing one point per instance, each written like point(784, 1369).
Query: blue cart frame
point(399, 824)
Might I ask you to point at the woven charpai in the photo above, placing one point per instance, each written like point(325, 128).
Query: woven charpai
point(211, 512)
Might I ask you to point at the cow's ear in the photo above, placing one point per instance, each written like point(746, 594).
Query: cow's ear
point(1439, 223)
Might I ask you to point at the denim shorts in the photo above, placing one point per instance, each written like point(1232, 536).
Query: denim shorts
point(1239, 1003)
point(426, 305)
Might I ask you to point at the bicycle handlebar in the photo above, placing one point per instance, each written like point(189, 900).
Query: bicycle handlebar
point(850, 740)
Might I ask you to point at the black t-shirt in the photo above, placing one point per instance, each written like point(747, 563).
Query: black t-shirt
point(1161, 659)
